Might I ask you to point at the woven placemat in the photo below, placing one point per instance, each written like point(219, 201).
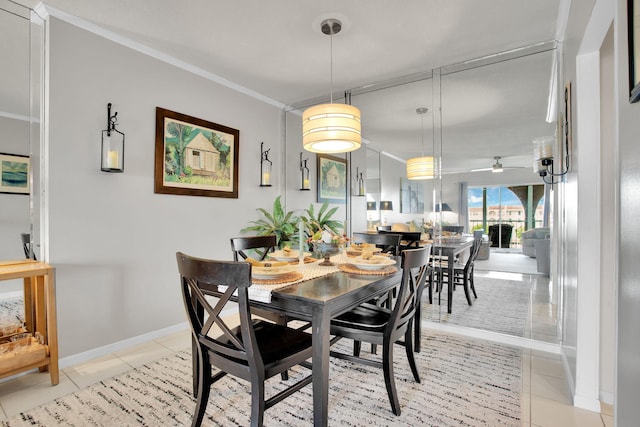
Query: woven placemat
point(289, 277)
point(350, 268)
point(307, 260)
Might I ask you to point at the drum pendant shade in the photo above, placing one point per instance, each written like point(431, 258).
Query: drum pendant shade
point(331, 128)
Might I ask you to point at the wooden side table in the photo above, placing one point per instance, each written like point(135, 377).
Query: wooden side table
point(40, 316)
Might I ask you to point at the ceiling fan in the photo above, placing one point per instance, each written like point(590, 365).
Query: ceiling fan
point(497, 167)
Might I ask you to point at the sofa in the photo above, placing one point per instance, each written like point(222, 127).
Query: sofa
point(529, 238)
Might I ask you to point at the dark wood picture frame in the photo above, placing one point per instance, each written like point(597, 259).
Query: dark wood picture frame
point(633, 35)
point(14, 173)
point(331, 179)
point(195, 157)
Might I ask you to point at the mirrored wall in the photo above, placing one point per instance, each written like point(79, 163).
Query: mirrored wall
point(21, 35)
point(478, 114)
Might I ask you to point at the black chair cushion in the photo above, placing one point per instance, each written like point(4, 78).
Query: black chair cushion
point(365, 317)
point(276, 342)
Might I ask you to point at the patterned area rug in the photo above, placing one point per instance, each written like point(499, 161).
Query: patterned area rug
point(502, 306)
point(12, 310)
point(464, 383)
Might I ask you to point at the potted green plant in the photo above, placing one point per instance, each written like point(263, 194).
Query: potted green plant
point(314, 223)
point(283, 224)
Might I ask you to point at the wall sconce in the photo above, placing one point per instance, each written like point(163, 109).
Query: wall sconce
point(360, 179)
point(385, 205)
point(543, 160)
point(265, 167)
point(112, 158)
point(304, 174)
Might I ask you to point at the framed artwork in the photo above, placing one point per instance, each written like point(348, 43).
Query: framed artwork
point(411, 196)
point(633, 34)
point(332, 179)
point(195, 157)
point(14, 173)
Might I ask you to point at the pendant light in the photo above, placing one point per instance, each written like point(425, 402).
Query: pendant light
point(331, 128)
point(420, 167)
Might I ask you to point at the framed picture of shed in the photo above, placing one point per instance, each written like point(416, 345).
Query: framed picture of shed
point(332, 179)
point(14, 173)
point(195, 157)
point(633, 34)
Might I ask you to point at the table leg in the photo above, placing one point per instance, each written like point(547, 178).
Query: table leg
point(49, 292)
point(28, 303)
point(321, 324)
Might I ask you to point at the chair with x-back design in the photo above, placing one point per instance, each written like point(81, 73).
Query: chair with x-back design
point(254, 351)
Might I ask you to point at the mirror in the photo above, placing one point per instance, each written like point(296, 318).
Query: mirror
point(478, 111)
point(15, 215)
point(396, 132)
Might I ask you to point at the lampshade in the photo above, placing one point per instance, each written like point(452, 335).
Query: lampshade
point(420, 168)
point(331, 128)
point(444, 207)
point(386, 205)
point(371, 206)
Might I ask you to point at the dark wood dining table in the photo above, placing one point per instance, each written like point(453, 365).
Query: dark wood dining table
point(319, 300)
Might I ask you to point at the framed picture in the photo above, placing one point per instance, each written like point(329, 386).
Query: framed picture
point(411, 196)
point(633, 34)
point(195, 157)
point(14, 173)
point(332, 179)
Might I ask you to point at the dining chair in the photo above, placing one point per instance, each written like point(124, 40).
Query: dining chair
point(418, 317)
point(253, 351)
point(379, 325)
point(462, 275)
point(409, 240)
point(388, 242)
point(261, 245)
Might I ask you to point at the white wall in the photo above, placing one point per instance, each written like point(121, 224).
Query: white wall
point(111, 239)
point(627, 410)
point(608, 238)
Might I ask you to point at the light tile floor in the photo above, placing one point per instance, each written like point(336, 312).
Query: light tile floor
point(545, 398)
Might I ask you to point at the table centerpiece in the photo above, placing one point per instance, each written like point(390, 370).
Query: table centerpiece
point(326, 244)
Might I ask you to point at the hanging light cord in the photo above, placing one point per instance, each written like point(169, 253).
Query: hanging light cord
point(422, 131)
point(331, 67)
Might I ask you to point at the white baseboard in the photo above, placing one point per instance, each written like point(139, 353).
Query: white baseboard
point(79, 358)
point(606, 397)
point(494, 336)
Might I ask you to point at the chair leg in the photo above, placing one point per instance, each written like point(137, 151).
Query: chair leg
point(204, 389)
point(357, 345)
point(473, 286)
point(257, 402)
point(389, 380)
point(412, 361)
point(418, 321)
point(282, 320)
point(467, 293)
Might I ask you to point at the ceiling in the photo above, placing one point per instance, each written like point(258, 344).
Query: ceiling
point(275, 48)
